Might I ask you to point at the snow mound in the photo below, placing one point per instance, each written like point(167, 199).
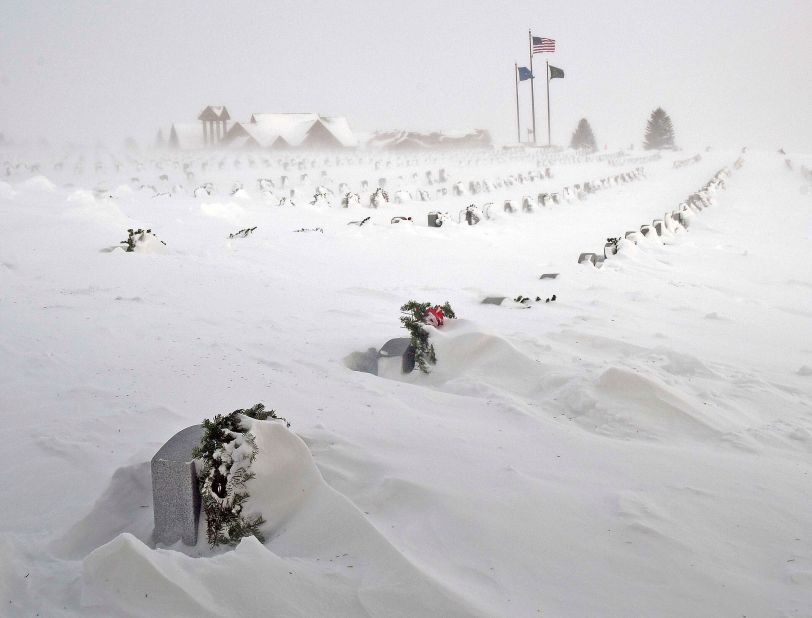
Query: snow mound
point(322, 557)
point(82, 197)
point(473, 362)
point(629, 404)
point(84, 205)
point(38, 184)
point(231, 212)
point(119, 509)
point(6, 192)
point(150, 244)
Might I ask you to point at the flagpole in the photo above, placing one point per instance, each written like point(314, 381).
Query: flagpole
point(532, 85)
point(548, 102)
point(516, 77)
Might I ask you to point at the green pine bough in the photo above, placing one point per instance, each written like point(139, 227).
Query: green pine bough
point(134, 237)
point(227, 451)
point(413, 318)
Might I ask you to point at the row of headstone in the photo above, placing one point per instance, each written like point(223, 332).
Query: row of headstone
point(626, 160)
point(578, 191)
point(473, 214)
point(671, 223)
point(683, 162)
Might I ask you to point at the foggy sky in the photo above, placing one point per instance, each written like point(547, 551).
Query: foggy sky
point(730, 73)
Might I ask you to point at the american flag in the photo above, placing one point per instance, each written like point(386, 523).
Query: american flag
point(540, 45)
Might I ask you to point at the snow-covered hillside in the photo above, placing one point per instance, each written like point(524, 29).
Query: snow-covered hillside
point(641, 446)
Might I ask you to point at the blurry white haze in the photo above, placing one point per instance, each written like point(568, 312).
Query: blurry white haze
point(617, 418)
point(729, 73)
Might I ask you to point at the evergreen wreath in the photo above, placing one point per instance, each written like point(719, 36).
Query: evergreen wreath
point(228, 449)
point(413, 317)
point(136, 236)
point(244, 233)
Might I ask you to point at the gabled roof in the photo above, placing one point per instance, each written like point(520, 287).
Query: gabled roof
point(340, 128)
point(187, 136)
point(295, 128)
point(214, 112)
point(254, 134)
point(473, 138)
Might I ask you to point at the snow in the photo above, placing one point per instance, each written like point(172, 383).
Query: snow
point(187, 136)
point(640, 446)
point(295, 127)
point(263, 135)
point(340, 128)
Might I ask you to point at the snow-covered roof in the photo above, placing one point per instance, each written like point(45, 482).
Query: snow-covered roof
point(214, 112)
point(340, 128)
point(260, 134)
point(187, 136)
point(296, 127)
point(413, 139)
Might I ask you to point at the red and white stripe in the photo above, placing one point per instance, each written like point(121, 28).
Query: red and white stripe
point(541, 45)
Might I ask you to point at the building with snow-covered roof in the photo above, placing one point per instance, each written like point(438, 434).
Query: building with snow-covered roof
point(414, 140)
point(186, 136)
point(251, 135)
point(215, 123)
point(298, 130)
point(263, 131)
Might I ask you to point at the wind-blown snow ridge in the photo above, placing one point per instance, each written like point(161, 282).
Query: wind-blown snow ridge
point(322, 557)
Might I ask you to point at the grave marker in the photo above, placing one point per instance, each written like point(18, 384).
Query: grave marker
point(175, 494)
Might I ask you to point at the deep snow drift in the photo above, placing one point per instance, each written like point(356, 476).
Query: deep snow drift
point(640, 446)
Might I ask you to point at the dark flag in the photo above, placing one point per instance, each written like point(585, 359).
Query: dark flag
point(524, 73)
point(555, 72)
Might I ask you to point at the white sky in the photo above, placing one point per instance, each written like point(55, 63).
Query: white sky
point(728, 72)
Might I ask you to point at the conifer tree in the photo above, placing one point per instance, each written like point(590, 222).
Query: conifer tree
point(583, 138)
point(659, 131)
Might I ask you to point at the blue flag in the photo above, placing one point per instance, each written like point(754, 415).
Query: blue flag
point(524, 73)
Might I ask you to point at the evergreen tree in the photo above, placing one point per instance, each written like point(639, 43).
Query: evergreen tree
point(583, 138)
point(659, 131)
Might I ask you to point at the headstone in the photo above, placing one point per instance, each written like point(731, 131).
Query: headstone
point(435, 219)
point(645, 230)
point(175, 494)
point(549, 276)
point(587, 257)
point(609, 248)
point(657, 224)
point(493, 300)
point(396, 355)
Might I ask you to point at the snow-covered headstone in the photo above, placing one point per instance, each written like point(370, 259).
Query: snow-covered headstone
point(175, 493)
point(396, 356)
point(587, 257)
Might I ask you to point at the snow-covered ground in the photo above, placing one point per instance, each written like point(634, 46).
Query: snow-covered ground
point(642, 446)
